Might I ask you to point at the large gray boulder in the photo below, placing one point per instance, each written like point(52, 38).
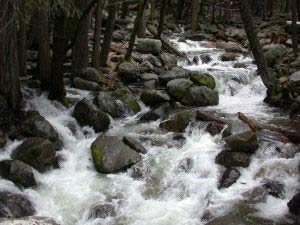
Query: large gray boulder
point(85, 85)
point(18, 172)
point(179, 121)
point(174, 73)
point(201, 96)
point(102, 210)
point(154, 97)
point(229, 46)
point(111, 155)
point(91, 74)
point(243, 142)
point(146, 66)
point(168, 60)
point(157, 113)
point(229, 177)
point(294, 205)
point(273, 52)
point(178, 88)
point(128, 72)
point(154, 60)
point(32, 220)
point(149, 46)
point(294, 82)
point(87, 114)
point(241, 220)
point(203, 79)
point(129, 101)
point(14, 205)
point(36, 152)
point(109, 104)
point(233, 159)
point(134, 144)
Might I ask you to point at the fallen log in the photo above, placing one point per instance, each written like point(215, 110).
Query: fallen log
point(256, 127)
point(204, 116)
point(166, 44)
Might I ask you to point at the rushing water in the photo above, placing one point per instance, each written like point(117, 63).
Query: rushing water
point(167, 195)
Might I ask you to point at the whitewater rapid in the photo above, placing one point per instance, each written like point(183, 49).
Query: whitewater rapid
point(166, 195)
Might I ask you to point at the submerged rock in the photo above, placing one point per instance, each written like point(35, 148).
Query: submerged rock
point(203, 79)
point(215, 128)
point(87, 114)
point(274, 188)
point(229, 177)
point(36, 152)
point(233, 159)
point(15, 205)
point(102, 211)
point(179, 121)
point(111, 155)
point(228, 56)
point(243, 142)
point(34, 220)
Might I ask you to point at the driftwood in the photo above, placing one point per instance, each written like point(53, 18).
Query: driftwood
point(204, 116)
point(255, 127)
point(166, 44)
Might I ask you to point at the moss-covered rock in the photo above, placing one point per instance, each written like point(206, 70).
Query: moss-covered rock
point(129, 101)
point(228, 56)
point(203, 79)
point(154, 97)
point(201, 96)
point(178, 88)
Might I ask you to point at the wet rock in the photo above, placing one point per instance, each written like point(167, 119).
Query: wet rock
point(229, 177)
point(228, 56)
point(203, 79)
point(146, 66)
point(102, 211)
point(150, 84)
point(273, 52)
point(255, 195)
point(134, 144)
point(129, 101)
point(85, 85)
point(36, 152)
point(178, 88)
point(168, 60)
point(35, 125)
point(128, 71)
point(229, 47)
point(201, 96)
point(233, 159)
point(236, 33)
point(87, 114)
point(157, 113)
point(6, 115)
point(139, 170)
point(154, 60)
point(18, 172)
point(294, 81)
point(154, 97)
point(186, 165)
point(149, 46)
point(174, 73)
point(120, 36)
point(240, 220)
point(240, 65)
point(215, 128)
point(243, 142)
point(91, 74)
point(111, 155)
point(179, 121)
point(110, 105)
point(29, 221)
point(274, 188)
point(15, 205)
point(294, 204)
point(32, 55)
point(149, 76)
point(205, 59)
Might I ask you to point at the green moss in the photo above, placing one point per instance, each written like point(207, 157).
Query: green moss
point(134, 105)
point(98, 159)
point(203, 80)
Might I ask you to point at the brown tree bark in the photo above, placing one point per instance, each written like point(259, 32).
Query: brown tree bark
point(143, 24)
point(9, 80)
point(97, 33)
point(294, 27)
point(260, 60)
point(22, 56)
point(194, 14)
point(125, 10)
point(112, 10)
point(80, 48)
point(161, 18)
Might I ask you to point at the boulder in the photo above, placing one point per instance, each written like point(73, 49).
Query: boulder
point(229, 177)
point(233, 159)
point(273, 52)
point(201, 96)
point(120, 36)
point(179, 121)
point(294, 81)
point(85, 85)
point(14, 205)
point(205, 59)
point(229, 46)
point(154, 97)
point(18, 172)
point(36, 152)
point(6, 115)
point(129, 101)
point(149, 46)
point(241, 220)
point(274, 188)
point(243, 142)
point(134, 144)
point(294, 204)
point(111, 155)
point(150, 84)
point(149, 76)
point(146, 66)
point(87, 114)
point(110, 105)
point(178, 88)
point(203, 79)
point(174, 73)
point(157, 113)
point(236, 33)
point(215, 128)
point(168, 60)
point(128, 72)
point(91, 74)
point(33, 220)
point(154, 60)
point(103, 211)
point(228, 56)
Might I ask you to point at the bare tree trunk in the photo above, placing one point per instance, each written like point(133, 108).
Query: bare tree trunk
point(180, 7)
point(97, 33)
point(112, 10)
point(80, 48)
point(255, 45)
point(9, 80)
point(194, 14)
point(125, 10)
point(294, 27)
point(22, 39)
point(161, 18)
point(142, 5)
point(57, 89)
point(143, 25)
point(44, 44)
point(34, 28)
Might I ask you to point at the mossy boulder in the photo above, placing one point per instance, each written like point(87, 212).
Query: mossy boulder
point(154, 97)
point(129, 101)
point(110, 105)
point(203, 79)
point(178, 88)
point(228, 56)
point(128, 72)
point(111, 155)
point(36, 152)
point(200, 96)
point(147, 45)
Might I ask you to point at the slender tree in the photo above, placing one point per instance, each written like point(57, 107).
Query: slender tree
point(22, 56)
point(97, 33)
point(161, 18)
point(294, 27)
point(194, 14)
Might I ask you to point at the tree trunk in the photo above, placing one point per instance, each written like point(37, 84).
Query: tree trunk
point(142, 5)
point(44, 44)
point(57, 89)
point(112, 10)
point(255, 45)
point(180, 7)
point(161, 18)
point(143, 23)
point(97, 33)
point(34, 28)
point(80, 48)
point(194, 14)
point(125, 10)
point(294, 27)
point(9, 80)
point(22, 39)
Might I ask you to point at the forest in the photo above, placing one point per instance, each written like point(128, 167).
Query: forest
point(149, 112)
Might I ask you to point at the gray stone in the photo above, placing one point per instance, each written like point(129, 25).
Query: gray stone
point(174, 73)
point(129, 101)
point(154, 60)
point(146, 66)
point(128, 71)
point(201, 96)
point(233, 159)
point(203, 79)
point(178, 88)
point(229, 46)
point(229, 177)
point(241, 220)
point(243, 142)
point(91, 74)
point(168, 60)
point(110, 105)
point(149, 76)
point(33, 220)
point(147, 45)
point(85, 85)
point(228, 56)
point(103, 211)
point(273, 52)
point(154, 97)
point(134, 144)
